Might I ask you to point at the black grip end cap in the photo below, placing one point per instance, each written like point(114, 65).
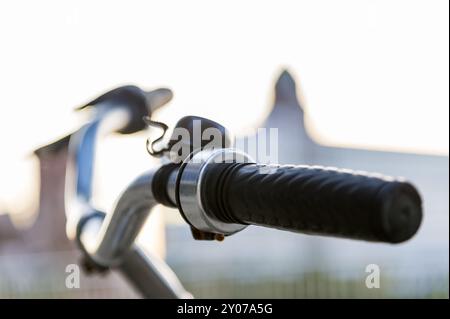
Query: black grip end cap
point(401, 211)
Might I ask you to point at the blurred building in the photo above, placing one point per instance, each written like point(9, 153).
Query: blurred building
point(33, 260)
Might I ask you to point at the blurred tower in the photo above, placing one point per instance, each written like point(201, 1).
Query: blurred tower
point(47, 232)
point(295, 146)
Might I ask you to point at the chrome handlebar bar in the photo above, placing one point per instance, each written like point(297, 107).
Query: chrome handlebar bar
point(108, 239)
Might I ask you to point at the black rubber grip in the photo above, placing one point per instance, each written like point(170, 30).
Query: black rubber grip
point(315, 200)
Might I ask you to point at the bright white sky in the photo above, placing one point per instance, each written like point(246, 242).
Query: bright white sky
point(373, 74)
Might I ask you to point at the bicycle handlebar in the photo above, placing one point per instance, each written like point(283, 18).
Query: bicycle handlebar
point(220, 192)
point(307, 199)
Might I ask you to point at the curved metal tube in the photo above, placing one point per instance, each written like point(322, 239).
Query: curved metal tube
point(109, 242)
point(151, 276)
point(80, 164)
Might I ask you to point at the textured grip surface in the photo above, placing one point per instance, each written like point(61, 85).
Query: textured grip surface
point(321, 201)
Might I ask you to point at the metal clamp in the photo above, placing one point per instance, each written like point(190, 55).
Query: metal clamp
point(189, 189)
